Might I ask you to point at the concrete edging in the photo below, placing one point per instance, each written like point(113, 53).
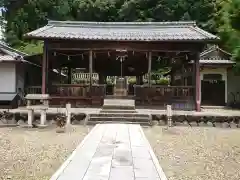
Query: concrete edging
point(154, 158)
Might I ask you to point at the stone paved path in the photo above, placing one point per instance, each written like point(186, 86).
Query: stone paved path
point(112, 152)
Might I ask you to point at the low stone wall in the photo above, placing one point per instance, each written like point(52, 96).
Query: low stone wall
point(191, 120)
point(20, 119)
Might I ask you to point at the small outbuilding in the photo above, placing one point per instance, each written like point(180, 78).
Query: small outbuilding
point(217, 77)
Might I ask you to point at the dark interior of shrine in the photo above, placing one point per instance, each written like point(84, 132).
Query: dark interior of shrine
point(113, 63)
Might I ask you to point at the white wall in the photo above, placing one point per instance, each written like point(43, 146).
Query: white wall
point(222, 71)
point(7, 78)
point(20, 77)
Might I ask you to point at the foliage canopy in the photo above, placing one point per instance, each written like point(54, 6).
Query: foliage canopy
point(220, 17)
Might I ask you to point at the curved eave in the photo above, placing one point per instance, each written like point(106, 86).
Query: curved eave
point(214, 40)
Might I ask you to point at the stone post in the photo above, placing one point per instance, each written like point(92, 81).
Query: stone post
point(30, 117)
point(43, 118)
point(169, 115)
point(68, 114)
point(28, 103)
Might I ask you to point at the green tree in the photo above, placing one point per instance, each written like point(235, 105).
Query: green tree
point(26, 15)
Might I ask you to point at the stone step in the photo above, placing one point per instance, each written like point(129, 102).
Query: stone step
point(118, 111)
point(120, 119)
point(119, 104)
point(142, 123)
point(130, 115)
point(119, 97)
point(120, 107)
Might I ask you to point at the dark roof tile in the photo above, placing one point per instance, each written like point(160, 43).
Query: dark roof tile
point(123, 31)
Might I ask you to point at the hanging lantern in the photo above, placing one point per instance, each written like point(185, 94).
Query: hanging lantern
point(54, 54)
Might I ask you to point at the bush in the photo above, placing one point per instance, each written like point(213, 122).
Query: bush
point(162, 81)
point(132, 81)
point(61, 120)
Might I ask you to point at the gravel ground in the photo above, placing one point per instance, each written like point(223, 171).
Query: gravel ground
point(198, 153)
point(34, 154)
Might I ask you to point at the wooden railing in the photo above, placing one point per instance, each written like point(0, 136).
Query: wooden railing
point(69, 90)
point(181, 97)
point(33, 90)
point(74, 93)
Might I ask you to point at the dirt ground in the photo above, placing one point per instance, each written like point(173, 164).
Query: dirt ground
point(197, 153)
point(34, 154)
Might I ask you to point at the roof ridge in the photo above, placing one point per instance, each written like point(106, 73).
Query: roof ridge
point(213, 48)
point(125, 31)
point(208, 50)
point(224, 51)
point(204, 33)
point(146, 23)
point(9, 50)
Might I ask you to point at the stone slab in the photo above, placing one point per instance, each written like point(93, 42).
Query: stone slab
point(37, 96)
point(119, 102)
point(112, 152)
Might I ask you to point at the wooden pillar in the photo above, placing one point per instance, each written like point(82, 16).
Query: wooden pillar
point(44, 70)
point(69, 75)
point(149, 68)
point(197, 83)
point(101, 78)
point(137, 80)
point(90, 69)
point(141, 80)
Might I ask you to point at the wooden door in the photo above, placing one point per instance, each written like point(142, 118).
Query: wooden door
point(213, 92)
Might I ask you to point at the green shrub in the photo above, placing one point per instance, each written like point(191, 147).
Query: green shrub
point(132, 81)
point(162, 81)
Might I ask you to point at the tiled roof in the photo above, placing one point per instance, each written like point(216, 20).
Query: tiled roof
point(214, 48)
point(208, 57)
point(6, 58)
point(11, 55)
point(216, 61)
point(122, 31)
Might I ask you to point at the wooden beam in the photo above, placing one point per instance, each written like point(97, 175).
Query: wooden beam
point(69, 75)
point(149, 68)
point(130, 46)
point(197, 83)
point(44, 69)
point(90, 68)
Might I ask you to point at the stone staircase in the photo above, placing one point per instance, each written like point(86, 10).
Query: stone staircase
point(120, 111)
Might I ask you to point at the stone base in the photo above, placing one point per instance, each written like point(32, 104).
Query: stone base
point(42, 126)
point(119, 104)
point(8, 125)
point(27, 126)
point(120, 92)
point(60, 130)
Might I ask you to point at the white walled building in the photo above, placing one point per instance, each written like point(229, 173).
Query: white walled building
point(218, 81)
point(12, 75)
